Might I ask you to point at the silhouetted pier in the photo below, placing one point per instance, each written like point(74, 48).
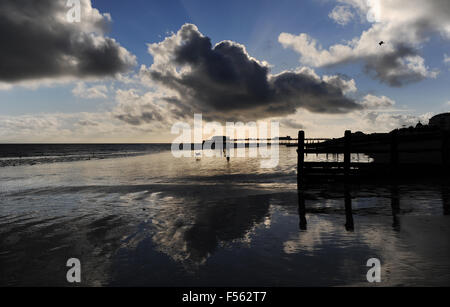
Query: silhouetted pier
point(254, 142)
point(282, 141)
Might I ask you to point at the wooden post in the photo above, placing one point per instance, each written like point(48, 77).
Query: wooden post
point(300, 158)
point(347, 152)
point(302, 210)
point(394, 152)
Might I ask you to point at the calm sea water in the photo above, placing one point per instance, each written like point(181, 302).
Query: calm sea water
point(135, 215)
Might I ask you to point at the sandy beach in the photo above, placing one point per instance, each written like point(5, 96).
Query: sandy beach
point(153, 220)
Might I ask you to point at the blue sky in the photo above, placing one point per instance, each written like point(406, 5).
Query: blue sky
point(256, 24)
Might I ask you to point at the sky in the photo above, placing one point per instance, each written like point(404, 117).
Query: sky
point(127, 72)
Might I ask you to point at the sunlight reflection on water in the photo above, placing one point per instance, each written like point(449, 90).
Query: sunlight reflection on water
point(156, 220)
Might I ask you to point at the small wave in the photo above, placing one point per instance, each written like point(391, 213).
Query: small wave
point(19, 155)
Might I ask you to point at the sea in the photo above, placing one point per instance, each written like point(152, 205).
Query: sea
point(135, 215)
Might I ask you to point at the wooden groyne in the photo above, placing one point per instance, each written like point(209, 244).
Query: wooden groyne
point(393, 168)
point(390, 173)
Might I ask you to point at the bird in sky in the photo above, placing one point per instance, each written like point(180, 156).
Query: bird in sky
point(381, 43)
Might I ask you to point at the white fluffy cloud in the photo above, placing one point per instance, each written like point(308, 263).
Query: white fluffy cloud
point(347, 85)
point(101, 127)
point(147, 109)
point(367, 121)
point(403, 25)
point(375, 102)
point(93, 92)
point(341, 14)
point(389, 121)
point(136, 117)
point(37, 127)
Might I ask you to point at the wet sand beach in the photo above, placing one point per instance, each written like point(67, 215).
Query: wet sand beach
point(153, 220)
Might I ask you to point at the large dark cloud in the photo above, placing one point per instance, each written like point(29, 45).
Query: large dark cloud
point(37, 41)
point(390, 68)
point(224, 83)
point(136, 109)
